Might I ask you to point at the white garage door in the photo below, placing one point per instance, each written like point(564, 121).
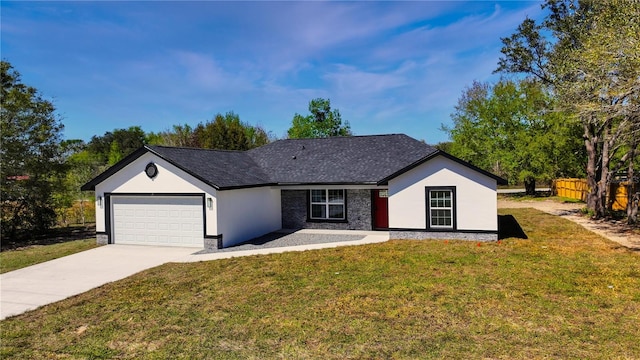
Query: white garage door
point(158, 220)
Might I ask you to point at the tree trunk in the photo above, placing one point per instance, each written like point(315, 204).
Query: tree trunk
point(591, 145)
point(605, 174)
point(633, 200)
point(530, 186)
point(82, 209)
point(633, 193)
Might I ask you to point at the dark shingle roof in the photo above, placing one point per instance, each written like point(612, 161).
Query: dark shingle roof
point(219, 168)
point(354, 159)
point(336, 160)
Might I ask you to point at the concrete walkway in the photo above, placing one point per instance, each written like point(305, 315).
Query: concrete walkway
point(34, 286)
point(521, 191)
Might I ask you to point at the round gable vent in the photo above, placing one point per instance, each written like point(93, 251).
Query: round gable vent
point(151, 170)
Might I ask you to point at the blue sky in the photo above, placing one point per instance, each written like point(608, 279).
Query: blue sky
point(389, 67)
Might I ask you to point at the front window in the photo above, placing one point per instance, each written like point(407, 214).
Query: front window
point(327, 204)
point(441, 208)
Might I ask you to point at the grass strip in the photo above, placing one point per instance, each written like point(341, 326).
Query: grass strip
point(16, 259)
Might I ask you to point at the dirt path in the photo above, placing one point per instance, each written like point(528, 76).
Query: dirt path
point(614, 231)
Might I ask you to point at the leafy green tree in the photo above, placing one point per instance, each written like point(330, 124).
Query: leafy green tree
point(601, 85)
point(256, 136)
point(115, 154)
point(82, 166)
point(322, 122)
point(592, 63)
point(63, 197)
point(127, 141)
point(225, 132)
point(444, 146)
point(505, 129)
point(179, 135)
point(30, 157)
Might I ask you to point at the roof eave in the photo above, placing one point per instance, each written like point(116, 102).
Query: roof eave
point(327, 183)
point(385, 181)
point(91, 185)
point(247, 186)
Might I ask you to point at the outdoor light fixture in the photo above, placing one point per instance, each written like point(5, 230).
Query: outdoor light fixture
point(100, 201)
point(209, 203)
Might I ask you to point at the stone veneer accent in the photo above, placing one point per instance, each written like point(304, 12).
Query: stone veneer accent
point(213, 243)
point(435, 235)
point(102, 239)
point(294, 211)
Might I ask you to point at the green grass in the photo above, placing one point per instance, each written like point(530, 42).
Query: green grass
point(563, 293)
point(16, 259)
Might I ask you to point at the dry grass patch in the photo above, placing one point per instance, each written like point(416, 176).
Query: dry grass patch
point(563, 293)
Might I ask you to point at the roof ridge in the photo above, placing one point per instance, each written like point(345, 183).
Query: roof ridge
point(342, 136)
point(194, 148)
point(287, 139)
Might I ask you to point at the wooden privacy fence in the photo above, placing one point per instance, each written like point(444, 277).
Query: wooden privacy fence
point(571, 188)
point(621, 190)
point(578, 189)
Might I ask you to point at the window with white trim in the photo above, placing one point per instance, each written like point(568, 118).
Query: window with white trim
point(327, 204)
point(441, 212)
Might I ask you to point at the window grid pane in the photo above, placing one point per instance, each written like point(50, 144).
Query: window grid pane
point(327, 204)
point(318, 211)
point(441, 208)
point(336, 196)
point(336, 211)
point(318, 196)
point(441, 218)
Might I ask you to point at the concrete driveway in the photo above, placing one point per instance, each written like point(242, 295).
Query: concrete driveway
point(34, 286)
point(51, 281)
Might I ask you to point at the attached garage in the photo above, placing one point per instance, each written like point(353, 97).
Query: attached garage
point(158, 220)
point(183, 197)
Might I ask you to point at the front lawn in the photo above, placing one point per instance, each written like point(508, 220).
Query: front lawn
point(563, 293)
point(16, 259)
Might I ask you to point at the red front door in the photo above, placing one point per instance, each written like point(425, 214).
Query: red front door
point(381, 209)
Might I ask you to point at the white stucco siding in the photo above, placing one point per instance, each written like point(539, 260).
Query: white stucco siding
point(244, 214)
point(476, 203)
point(170, 180)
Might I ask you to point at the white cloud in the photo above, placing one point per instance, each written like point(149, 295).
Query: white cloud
point(385, 65)
point(205, 73)
point(349, 80)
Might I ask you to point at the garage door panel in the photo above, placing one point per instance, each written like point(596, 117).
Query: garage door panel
point(156, 220)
